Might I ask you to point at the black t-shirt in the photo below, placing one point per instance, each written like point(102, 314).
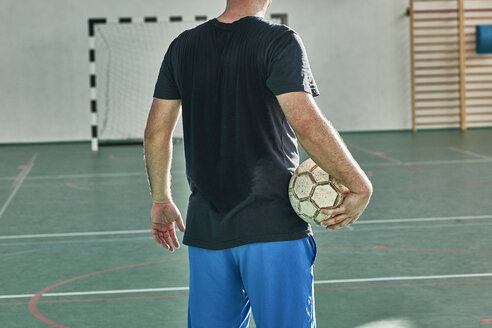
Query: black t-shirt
point(240, 150)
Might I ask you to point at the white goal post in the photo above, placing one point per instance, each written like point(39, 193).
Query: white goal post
point(129, 54)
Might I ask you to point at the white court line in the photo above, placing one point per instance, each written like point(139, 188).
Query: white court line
point(437, 162)
point(86, 175)
point(315, 230)
point(130, 232)
point(453, 161)
point(449, 276)
point(19, 184)
point(317, 282)
point(485, 159)
point(101, 292)
point(467, 152)
point(77, 234)
point(435, 219)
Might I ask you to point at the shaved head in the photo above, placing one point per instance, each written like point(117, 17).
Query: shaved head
point(252, 2)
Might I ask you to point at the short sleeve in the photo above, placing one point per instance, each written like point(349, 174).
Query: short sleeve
point(289, 69)
point(166, 86)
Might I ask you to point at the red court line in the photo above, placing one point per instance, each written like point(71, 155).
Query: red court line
point(116, 158)
point(384, 156)
point(77, 187)
point(486, 320)
point(99, 299)
point(25, 168)
point(33, 302)
point(74, 186)
point(408, 285)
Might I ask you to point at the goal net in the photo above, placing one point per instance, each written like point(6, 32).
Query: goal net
point(129, 56)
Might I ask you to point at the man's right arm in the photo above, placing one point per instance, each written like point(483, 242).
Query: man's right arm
point(327, 149)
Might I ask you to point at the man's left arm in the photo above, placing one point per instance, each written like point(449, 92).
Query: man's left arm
point(158, 148)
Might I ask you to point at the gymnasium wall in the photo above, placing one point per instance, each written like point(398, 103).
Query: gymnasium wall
point(359, 53)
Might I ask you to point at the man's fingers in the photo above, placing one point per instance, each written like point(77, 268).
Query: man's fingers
point(163, 241)
point(155, 234)
point(333, 211)
point(180, 224)
point(156, 238)
point(174, 238)
point(165, 234)
point(333, 220)
point(159, 237)
point(339, 225)
point(168, 242)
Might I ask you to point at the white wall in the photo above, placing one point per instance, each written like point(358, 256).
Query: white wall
point(358, 51)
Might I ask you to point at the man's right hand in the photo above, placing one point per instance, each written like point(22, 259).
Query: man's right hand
point(348, 212)
point(163, 216)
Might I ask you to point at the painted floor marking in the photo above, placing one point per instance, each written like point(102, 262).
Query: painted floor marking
point(436, 162)
point(142, 231)
point(407, 249)
point(450, 276)
point(470, 153)
point(100, 292)
point(129, 174)
point(100, 299)
point(427, 227)
point(18, 182)
point(25, 169)
point(432, 219)
point(384, 156)
point(77, 234)
point(87, 175)
point(75, 242)
point(316, 230)
point(76, 176)
point(185, 288)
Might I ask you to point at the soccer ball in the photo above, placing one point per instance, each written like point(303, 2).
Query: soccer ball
point(311, 189)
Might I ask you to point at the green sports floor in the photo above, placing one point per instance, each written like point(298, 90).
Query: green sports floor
point(75, 249)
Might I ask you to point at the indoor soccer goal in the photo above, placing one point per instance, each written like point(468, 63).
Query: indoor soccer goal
point(125, 55)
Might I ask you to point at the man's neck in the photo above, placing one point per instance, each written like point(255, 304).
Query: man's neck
point(234, 13)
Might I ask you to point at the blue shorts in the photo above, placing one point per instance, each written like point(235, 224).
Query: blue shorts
point(274, 280)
